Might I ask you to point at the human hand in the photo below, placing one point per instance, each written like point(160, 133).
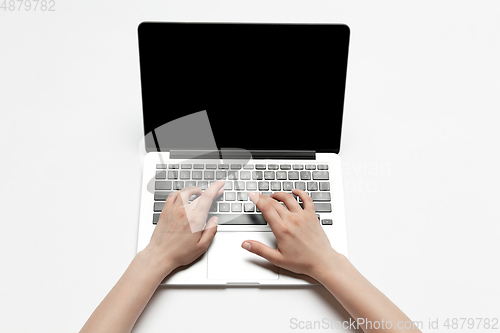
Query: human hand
point(181, 235)
point(303, 246)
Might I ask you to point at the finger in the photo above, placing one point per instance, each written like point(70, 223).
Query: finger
point(262, 250)
point(186, 193)
point(267, 207)
point(306, 200)
point(208, 234)
point(220, 192)
point(170, 200)
point(280, 209)
point(206, 199)
point(290, 202)
point(160, 226)
point(195, 202)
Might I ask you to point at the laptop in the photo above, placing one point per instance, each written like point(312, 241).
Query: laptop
point(259, 105)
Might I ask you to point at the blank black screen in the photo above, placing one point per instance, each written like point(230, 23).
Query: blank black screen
point(264, 86)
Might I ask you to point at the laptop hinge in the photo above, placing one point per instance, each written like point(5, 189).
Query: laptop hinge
point(284, 154)
point(244, 154)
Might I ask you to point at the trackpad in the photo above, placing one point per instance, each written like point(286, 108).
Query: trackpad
point(227, 260)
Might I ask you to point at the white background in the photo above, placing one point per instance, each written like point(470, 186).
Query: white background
point(419, 150)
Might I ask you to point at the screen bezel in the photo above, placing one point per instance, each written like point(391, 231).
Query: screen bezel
point(148, 33)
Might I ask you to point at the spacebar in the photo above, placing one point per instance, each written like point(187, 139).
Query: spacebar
point(240, 219)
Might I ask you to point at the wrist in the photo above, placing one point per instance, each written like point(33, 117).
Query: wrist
point(155, 269)
point(332, 266)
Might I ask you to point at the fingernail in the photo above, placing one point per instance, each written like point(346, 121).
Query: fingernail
point(247, 246)
point(216, 220)
point(253, 196)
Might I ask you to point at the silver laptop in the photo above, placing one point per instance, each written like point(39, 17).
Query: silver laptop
point(259, 105)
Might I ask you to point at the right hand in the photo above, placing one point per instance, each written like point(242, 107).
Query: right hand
point(303, 246)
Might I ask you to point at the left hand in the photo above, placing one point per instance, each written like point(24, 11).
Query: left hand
point(180, 237)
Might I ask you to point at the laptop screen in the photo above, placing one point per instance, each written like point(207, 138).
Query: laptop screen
point(263, 86)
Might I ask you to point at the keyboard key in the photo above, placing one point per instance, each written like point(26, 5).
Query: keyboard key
point(158, 206)
point(209, 175)
point(239, 185)
point(193, 197)
point(161, 175)
point(224, 207)
point(305, 175)
point(245, 175)
point(327, 222)
point(242, 196)
point(324, 186)
point(323, 207)
point(232, 175)
point(190, 183)
point(186, 166)
point(285, 166)
point(197, 174)
point(312, 186)
point(240, 219)
point(322, 166)
point(287, 186)
point(249, 207)
point(162, 196)
point(263, 186)
point(269, 175)
point(228, 185)
point(260, 166)
point(310, 167)
point(213, 207)
point(273, 166)
point(321, 196)
point(267, 193)
point(236, 207)
point(156, 218)
point(275, 186)
point(281, 175)
point(298, 167)
point(235, 166)
point(320, 175)
point(202, 184)
point(252, 186)
point(230, 196)
point(172, 174)
point(199, 166)
point(178, 185)
point(163, 185)
point(293, 175)
point(211, 166)
point(257, 175)
point(224, 166)
point(173, 166)
point(248, 166)
point(161, 166)
point(300, 186)
point(185, 174)
point(221, 174)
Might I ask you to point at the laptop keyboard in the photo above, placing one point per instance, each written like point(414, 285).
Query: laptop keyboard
point(234, 207)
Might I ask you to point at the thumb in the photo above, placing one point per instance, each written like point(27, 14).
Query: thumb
point(210, 230)
point(273, 255)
